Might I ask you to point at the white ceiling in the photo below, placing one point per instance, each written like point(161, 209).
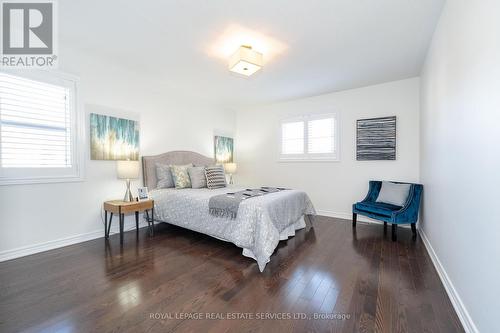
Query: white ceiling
point(331, 45)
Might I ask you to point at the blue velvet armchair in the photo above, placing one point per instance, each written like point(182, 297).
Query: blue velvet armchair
point(387, 212)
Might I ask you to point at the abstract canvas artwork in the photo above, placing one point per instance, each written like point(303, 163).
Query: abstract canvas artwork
point(113, 138)
point(223, 149)
point(376, 139)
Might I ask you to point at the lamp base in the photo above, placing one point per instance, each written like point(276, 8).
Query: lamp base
point(128, 194)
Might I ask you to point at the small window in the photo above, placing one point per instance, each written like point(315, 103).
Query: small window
point(38, 129)
point(310, 138)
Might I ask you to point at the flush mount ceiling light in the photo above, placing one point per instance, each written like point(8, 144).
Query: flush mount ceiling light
point(228, 47)
point(245, 61)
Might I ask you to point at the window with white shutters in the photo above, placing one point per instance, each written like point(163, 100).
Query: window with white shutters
point(309, 138)
point(38, 134)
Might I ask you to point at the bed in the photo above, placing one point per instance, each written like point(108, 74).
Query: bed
point(260, 224)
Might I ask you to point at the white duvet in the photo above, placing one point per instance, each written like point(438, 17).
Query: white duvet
point(261, 222)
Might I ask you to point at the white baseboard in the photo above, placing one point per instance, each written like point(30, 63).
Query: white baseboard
point(455, 299)
point(348, 216)
point(345, 216)
point(54, 244)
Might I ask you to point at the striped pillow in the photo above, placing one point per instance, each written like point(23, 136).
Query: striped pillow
point(216, 178)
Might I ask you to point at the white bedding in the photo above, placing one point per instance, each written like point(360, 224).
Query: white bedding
point(261, 222)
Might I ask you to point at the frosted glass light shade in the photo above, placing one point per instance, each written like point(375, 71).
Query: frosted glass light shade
point(245, 61)
point(127, 169)
point(230, 168)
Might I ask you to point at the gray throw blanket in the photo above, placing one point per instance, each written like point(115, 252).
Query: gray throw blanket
point(226, 205)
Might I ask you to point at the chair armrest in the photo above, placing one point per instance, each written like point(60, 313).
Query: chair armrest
point(409, 212)
point(374, 188)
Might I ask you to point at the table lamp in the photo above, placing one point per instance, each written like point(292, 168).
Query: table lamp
point(127, 170)
point(230, 169)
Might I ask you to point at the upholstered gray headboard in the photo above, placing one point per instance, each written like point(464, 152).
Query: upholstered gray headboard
point(172, 157)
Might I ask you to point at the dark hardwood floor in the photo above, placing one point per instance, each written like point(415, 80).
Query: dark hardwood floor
point(164, 283)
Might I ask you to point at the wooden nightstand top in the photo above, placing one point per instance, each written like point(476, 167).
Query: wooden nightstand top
point(120, 206)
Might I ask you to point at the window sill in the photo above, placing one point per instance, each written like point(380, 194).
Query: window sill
point(40, 180)
point(294, 160)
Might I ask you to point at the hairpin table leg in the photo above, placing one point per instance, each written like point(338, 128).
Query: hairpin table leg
point(106, 224)
point(137, 222)
point(152, 221)
point(122, 218)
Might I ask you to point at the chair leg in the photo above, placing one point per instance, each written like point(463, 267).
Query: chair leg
point(414, 228)
point(354, 219)
point(385, 227)
point(394, 232)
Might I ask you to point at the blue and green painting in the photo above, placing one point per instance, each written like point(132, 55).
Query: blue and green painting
point(223, 147)
point(113, 138)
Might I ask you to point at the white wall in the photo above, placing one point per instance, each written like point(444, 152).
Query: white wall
point(41, 213)
point(460, 160)
point(332, 186)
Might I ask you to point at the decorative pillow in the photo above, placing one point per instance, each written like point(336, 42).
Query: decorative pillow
point(394, 194)
point(164, 176)
point(197, 177)
point(180, 175)
point(216, 178)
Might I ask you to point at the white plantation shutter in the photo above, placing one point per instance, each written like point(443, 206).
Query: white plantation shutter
point(321, 136)
point(312, 137)
point(35, 124)
point(292, 138)
point(37, 128)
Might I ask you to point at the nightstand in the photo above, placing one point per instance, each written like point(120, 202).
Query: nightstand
point(121, 208)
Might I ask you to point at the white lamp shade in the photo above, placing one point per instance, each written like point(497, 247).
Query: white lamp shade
point(245, 61)
point(230, 168)
point(127, 169)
